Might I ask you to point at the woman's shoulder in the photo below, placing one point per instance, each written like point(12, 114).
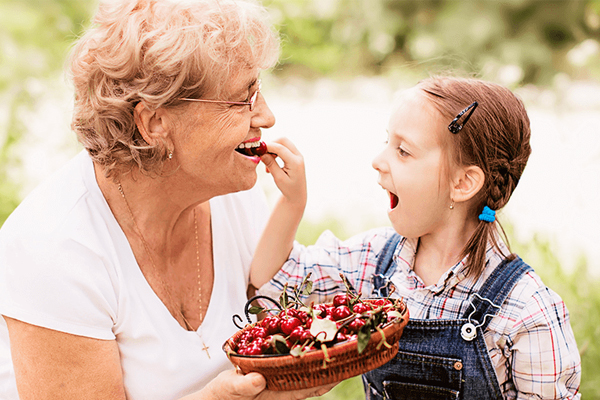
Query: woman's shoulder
point(63, 210)
point(45, 208)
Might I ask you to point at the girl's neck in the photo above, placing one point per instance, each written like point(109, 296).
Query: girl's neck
point(437, 253)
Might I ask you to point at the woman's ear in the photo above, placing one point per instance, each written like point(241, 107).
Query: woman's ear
point(152, 124)
point(467, 183)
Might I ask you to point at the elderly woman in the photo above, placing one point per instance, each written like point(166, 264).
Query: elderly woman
point(120, 274)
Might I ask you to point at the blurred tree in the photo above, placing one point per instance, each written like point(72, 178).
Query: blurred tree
point(34, 38)
point(511, 41)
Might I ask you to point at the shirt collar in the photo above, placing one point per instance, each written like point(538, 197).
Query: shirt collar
point(404, 258)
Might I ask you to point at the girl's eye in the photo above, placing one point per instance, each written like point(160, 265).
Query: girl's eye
point(402, 152)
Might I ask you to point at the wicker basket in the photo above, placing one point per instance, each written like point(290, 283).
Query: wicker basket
point(286, 372)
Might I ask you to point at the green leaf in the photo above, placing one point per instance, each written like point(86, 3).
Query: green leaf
point(255, 310)
point(283, 299)
point(308, 288)
point(323, 329)
point(364, 335)
point(394, 314)
point(297, 351)
point(279, 343)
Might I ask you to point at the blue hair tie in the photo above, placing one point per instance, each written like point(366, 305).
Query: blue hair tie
point(487, 215)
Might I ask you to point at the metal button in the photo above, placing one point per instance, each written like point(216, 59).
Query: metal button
point(468, 331)
point(458, 365)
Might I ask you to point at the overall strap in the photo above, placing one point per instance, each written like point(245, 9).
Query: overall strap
point(495, 290)
point(385, 267)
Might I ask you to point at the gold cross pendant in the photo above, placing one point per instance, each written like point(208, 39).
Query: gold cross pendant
point(205, 348)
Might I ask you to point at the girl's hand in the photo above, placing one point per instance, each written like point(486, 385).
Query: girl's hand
point(291, 178)
point(277, 239)
point(232, 385)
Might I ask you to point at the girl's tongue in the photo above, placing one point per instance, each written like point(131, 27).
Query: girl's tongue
point(393, 200)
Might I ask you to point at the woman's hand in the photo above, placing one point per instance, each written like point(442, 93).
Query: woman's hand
point(291, 178)
point(232, 385)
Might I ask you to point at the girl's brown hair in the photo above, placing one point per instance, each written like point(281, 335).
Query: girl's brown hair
point(495, 138)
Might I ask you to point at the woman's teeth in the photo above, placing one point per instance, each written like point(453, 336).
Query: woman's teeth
point(254, 148)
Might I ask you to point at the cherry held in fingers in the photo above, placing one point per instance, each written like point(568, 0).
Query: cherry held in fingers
point(255, 150)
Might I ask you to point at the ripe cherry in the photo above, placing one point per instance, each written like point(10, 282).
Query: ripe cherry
point(258, 332)
point(302, 316)
point(320, 310)
point(296, 334)
point(289, 324)
point(254, 350)
point(260, 150)
point(306, 336)
point(360, 308)
point(271, 325)
point(340, 312)
point(340, 299)
point(355, 325)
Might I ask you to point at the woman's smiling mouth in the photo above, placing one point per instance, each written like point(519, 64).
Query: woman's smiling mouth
point(252, 148)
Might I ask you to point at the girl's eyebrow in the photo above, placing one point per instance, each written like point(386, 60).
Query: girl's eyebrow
point(403, 139)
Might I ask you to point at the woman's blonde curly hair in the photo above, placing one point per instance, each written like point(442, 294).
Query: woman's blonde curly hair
point(157, 51)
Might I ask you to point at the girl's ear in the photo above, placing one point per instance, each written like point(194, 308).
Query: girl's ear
point(152, 124)
point(467, 183)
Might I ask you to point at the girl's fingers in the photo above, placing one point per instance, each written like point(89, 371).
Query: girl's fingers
point(288, 144)
point(291, 160)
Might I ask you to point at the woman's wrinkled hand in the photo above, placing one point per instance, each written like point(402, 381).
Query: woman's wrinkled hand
point(291, 177)
point(232, 385)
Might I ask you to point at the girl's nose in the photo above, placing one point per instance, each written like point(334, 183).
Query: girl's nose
point(378, 162)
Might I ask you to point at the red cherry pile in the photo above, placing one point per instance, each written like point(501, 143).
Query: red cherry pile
point(289, 331)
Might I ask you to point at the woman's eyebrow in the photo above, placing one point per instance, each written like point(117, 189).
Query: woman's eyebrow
point(245, 90)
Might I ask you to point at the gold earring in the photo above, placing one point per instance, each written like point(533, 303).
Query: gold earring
point(452, 205)
point(170, 154)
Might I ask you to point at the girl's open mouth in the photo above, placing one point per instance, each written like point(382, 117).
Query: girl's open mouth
point(252, 148)
point(393, 200)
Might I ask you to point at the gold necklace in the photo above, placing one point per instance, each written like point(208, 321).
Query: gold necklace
point(165, 288)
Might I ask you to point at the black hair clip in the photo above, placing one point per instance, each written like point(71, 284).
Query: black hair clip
point(454, 126)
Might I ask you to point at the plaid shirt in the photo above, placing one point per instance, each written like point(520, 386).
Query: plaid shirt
point(530, 340)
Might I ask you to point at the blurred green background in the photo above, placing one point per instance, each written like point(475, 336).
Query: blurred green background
point(518, 43)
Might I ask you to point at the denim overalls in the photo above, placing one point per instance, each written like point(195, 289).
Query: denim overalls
point(443, 359)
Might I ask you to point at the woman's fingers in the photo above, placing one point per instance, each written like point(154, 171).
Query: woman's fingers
point(234, 385)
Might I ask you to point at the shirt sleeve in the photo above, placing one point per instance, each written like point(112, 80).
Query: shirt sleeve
point(545, 360)
point(355, 258)
point(58, 284)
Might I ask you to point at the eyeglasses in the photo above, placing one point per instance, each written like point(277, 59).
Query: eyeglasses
point(454, 126)
point(250, 102)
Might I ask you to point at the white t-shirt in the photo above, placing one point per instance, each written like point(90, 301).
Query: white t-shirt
point(65, 264)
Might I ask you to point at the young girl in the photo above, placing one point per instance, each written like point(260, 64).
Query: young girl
point(483, 325)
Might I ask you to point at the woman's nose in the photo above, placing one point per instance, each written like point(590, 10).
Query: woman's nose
point(263, 116)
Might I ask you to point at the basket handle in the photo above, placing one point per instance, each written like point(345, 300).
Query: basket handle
point(237, 318)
